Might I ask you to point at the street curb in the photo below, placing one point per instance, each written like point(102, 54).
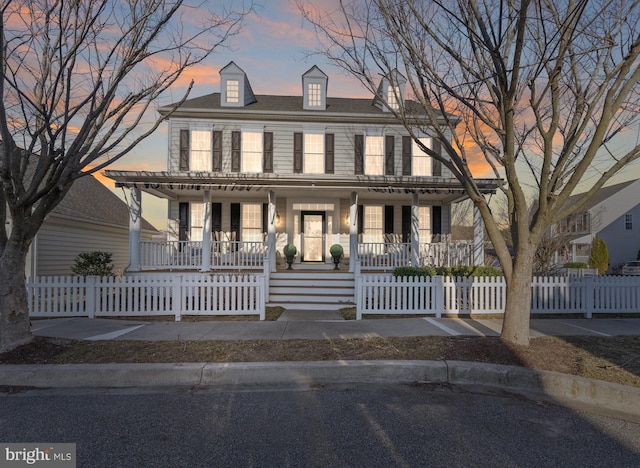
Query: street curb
point(617, 400)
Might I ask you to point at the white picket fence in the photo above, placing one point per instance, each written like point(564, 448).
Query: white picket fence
point(386, 294)
point(147, 295)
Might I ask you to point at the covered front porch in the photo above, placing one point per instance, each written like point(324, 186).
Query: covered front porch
point(222, 223)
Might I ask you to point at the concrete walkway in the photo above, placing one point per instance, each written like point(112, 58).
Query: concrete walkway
point(317, 325)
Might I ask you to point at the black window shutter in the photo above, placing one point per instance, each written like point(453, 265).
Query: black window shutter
point(406, 223)
point(406, 155)
point(235, 151)
point(360, 219)
point(217, 151)
point(328, 153)
point(359, 154)
point(184, 150)
point(436, 220)
point(183, 221)
point(389, 150)
point(436, 166)
point(388, 219)
point(267, 154)
point(235, 220)
point(297, 153)
point(216, 217)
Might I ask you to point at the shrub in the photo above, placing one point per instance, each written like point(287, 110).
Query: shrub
point(290, 250)
point(457, 271)
point(93, 264)
point(336, 250)
point(599, 256)
point(413, 271)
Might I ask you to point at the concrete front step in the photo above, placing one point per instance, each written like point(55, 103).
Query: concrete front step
point(308, 305)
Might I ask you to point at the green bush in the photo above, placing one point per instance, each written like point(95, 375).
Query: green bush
point(93, 264)
point(336, 250)
point(599, 256)
point(289, 250)
point(461, 271)
point(575, 265)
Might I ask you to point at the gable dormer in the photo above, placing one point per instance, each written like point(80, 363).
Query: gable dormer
point(235, 90)
point(390, 94)
point(314, 89)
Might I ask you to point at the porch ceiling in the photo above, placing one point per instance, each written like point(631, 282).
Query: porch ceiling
point(172, 185)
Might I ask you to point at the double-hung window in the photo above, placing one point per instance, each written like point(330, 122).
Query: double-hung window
point(421, 161)
point(200, 154)
point(374, 155)
point(393, 92)
point(314, 96)
point(628, 222)
point(313, 153)
point(251, 152)
point(251, 214)
point(373, 224)
point(233, 94)
point(424, 224)
point(196, 216)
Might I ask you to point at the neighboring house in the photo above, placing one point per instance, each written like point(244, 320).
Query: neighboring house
point(89, 218)
point(248, 170)
point(613, 214)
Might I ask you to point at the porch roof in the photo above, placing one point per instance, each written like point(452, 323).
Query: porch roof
point(171, 185)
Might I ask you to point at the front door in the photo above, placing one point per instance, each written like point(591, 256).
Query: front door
point(313, 228)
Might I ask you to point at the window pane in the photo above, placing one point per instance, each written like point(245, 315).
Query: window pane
point(313, 96)
point(374, 157)
point(251, 222)
point(200, 150)
point(313, 153)
point(196, 216)
point(421, 161)
point(232, 91)
point(373, 224)
point(251, 152)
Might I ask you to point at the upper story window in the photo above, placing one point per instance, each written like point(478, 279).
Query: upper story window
point(392, 97)
point(421, 161)
point(628, 222)
point(200, 151)
point(313, 153)
point(233, 91)
point(374, 155)
point(314, 96)
point(251, 152)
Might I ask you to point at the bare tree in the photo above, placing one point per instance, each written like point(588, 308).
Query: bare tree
point(78, 81)
point(540, 87)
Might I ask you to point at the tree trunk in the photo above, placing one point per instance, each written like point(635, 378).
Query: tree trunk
point(515, 328)
point(14, 311)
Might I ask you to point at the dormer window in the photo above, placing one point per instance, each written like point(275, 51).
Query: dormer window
point(232, 91)
point(235, 90)
point(314, 96)
point(314, 89)
point(392, 97)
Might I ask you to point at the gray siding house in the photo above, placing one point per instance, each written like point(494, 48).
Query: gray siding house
point(250, 173)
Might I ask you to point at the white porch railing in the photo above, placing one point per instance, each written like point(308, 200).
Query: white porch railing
point(187, 255)
point(389, 255)
point(147, 295)
point(386, 294)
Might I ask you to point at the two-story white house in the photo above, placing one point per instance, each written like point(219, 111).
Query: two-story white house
point(249, 173)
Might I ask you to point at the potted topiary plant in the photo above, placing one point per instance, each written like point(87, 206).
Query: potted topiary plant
point(336, 251)
point(289, 254)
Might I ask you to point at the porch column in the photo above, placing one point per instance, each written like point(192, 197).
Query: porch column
point(353, 231)
point(206, 232)
point(415, 230)
point(271, 230)
point(135, 227)
point(478, 238)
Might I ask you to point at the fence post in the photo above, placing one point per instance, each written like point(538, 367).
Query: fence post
point(358, 294)
point(176, 296)
point(589, 289)
point(437, 287)
point(91, 295)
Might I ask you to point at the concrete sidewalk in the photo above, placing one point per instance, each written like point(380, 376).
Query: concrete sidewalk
point(309, 325)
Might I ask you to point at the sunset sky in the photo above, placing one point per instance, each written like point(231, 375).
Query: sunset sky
point(274, 50)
